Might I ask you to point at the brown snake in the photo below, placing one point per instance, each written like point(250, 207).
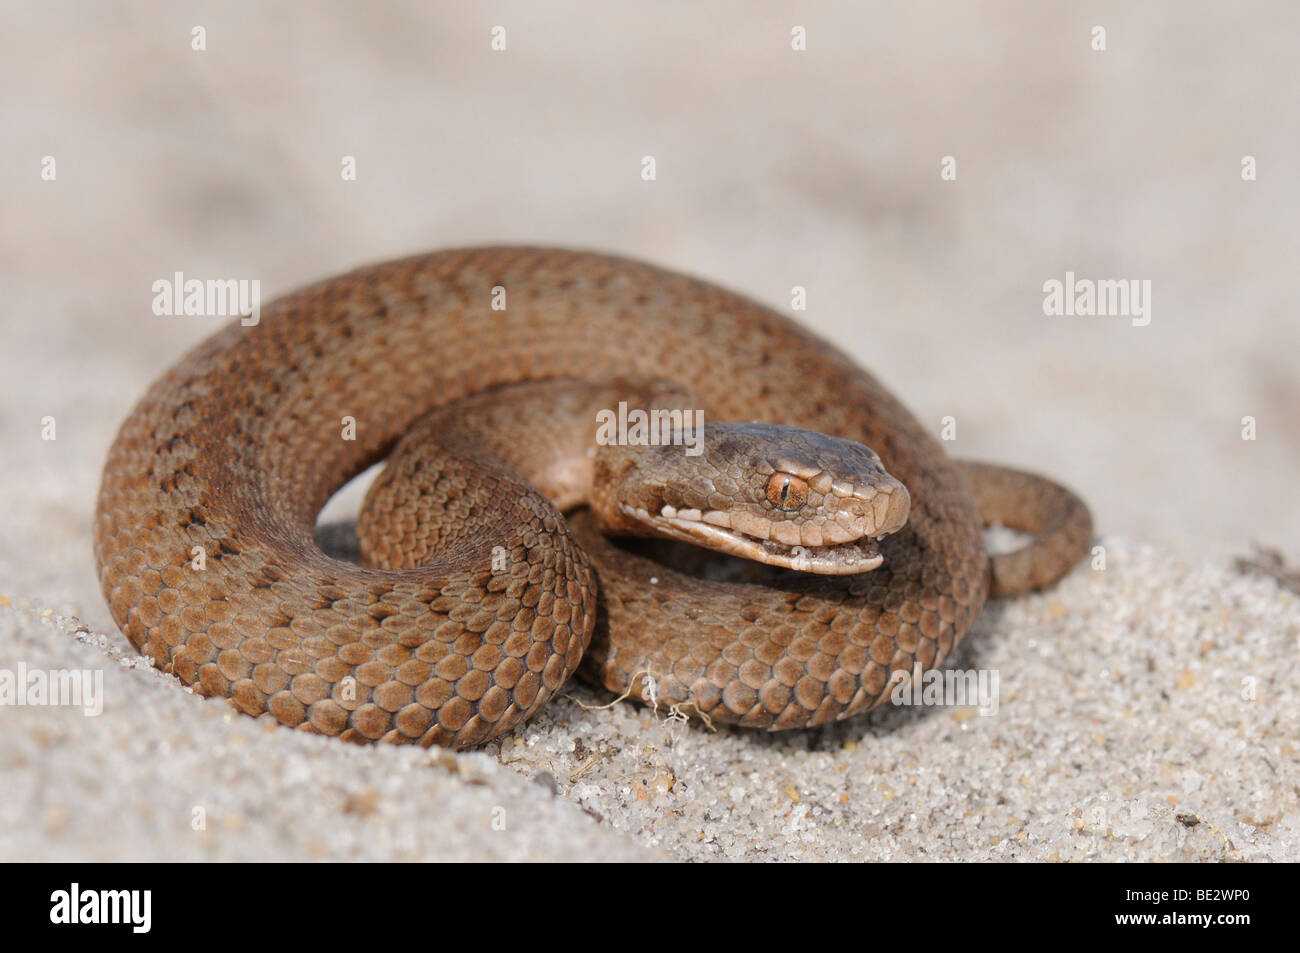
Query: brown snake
point(205, 519)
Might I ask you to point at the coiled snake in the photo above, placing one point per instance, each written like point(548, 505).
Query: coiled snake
point(493, 359)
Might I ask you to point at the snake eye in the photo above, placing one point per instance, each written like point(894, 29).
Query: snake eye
point(786, 491)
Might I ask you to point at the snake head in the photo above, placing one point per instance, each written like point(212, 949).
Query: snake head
point(777, 495)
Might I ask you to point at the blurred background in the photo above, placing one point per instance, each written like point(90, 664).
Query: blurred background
point(775, 168)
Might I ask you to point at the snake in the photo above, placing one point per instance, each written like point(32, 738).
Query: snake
point(503, 545)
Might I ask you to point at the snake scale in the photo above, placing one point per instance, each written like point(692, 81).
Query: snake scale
point(204, 529)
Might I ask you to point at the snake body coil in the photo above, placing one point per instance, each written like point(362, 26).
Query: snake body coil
point(204, 526)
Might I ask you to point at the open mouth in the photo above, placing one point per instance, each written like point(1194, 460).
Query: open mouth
point(837, 559)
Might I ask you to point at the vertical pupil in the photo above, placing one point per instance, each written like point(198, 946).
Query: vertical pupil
point(785, 489)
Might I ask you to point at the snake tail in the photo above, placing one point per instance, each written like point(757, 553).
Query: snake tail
point(1056, 518)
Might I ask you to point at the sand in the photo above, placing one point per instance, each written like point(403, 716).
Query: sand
point(1146, 712)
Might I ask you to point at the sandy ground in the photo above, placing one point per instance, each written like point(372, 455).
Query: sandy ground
point(1148, 710)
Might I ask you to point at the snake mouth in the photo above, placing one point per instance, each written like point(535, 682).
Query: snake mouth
point(834, 559)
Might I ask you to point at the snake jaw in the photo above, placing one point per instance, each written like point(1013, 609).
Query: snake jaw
point(838, 559)
point(768, 493)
